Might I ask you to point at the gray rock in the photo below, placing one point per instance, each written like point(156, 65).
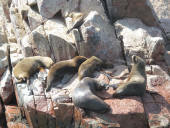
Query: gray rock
point(48, 8)
point(62, 45)
point(40, 43)
point(6, 88)
point(140, 39)
point(161, 11)
point(26, 47)
point(99, 39)
point(119, 9)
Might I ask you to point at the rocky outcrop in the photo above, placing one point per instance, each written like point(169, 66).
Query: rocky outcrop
point(40, 27)
point(140, 39)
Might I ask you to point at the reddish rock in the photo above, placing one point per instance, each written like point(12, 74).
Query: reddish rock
point(6, 88)
point(157, 106)
point(14, 117)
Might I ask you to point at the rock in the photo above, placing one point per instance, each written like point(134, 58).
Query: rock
point(140, 39)
point(26, 47)
point(32, 2)
point(61, 44)
point(10, 33)
point(3, 36)
point(161, 11)
point(6, 88)
point(40, 43)
point(34, 19)
point(99, 39)
point(85, 7)
point(48, 8)
point(131, 9)
point(17, 22)
point(14, 56)
point(14, 117)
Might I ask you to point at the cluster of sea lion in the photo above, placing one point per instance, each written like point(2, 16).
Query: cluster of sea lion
point(84, 95)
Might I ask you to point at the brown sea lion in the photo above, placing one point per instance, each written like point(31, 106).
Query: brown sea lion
point(30, 65)
point(84, 96)
point(88, 67)
point(59, 69)
point(136, 82)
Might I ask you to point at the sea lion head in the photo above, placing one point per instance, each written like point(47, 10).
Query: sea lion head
point(79, 60)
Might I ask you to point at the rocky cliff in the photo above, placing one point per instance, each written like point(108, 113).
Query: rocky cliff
point(109, 30)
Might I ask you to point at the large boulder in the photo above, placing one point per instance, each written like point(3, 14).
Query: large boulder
point(61, 44)
point(119, 9)
point(99, 39)
point(161, 11)
point(140, 39)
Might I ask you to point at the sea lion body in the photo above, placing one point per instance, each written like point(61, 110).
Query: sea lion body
point(88, 67)
point(29, 65)
point(136, 82)
point(59, 69)
point(83, 96)
point(77, 19)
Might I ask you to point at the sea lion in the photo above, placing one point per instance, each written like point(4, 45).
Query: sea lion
point(88, 67)
point(30, 65)
point(84, 96)
point(77, 19)
point(136, 82)
point(59, 69)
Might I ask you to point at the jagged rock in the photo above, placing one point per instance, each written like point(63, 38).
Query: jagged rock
point(61, 44)
point(140, 39)
point(161, 11)
point(17, 22)
point(34, 19)
point(6, 88)
point(119, 9)
point(26, 47)
point(15, 57)
point(10, 33)
point(3, 36)
point(48, 8)
point(84, 6)
point(14, 117)
point(99, 39)
point(32, 2)
point(40, 44)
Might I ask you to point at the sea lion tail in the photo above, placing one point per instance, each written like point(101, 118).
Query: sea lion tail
point(9, 59)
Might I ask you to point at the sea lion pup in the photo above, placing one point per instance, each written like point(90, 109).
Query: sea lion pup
point(59, 69)
point(136, 82)
point(30, 65)
point(77, 19)
point(83, 96)
point(88, 67)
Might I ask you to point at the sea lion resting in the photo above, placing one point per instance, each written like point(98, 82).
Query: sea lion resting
point(88, 67)
point(28, 66)
point(60, 69)
point(136, 82)
point(83, 96)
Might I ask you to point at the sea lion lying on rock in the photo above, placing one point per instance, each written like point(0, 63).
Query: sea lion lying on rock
point(60, 69)
point(136, 82)
point(83, 96)
point(28, 66)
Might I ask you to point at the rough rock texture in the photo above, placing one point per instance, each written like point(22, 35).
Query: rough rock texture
point(6, 88)
point(161, 11)
point(38, 27)
point(140, 39)
point(14, 117)
point(132, 9)
point(99, 39)
point(61, 44)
